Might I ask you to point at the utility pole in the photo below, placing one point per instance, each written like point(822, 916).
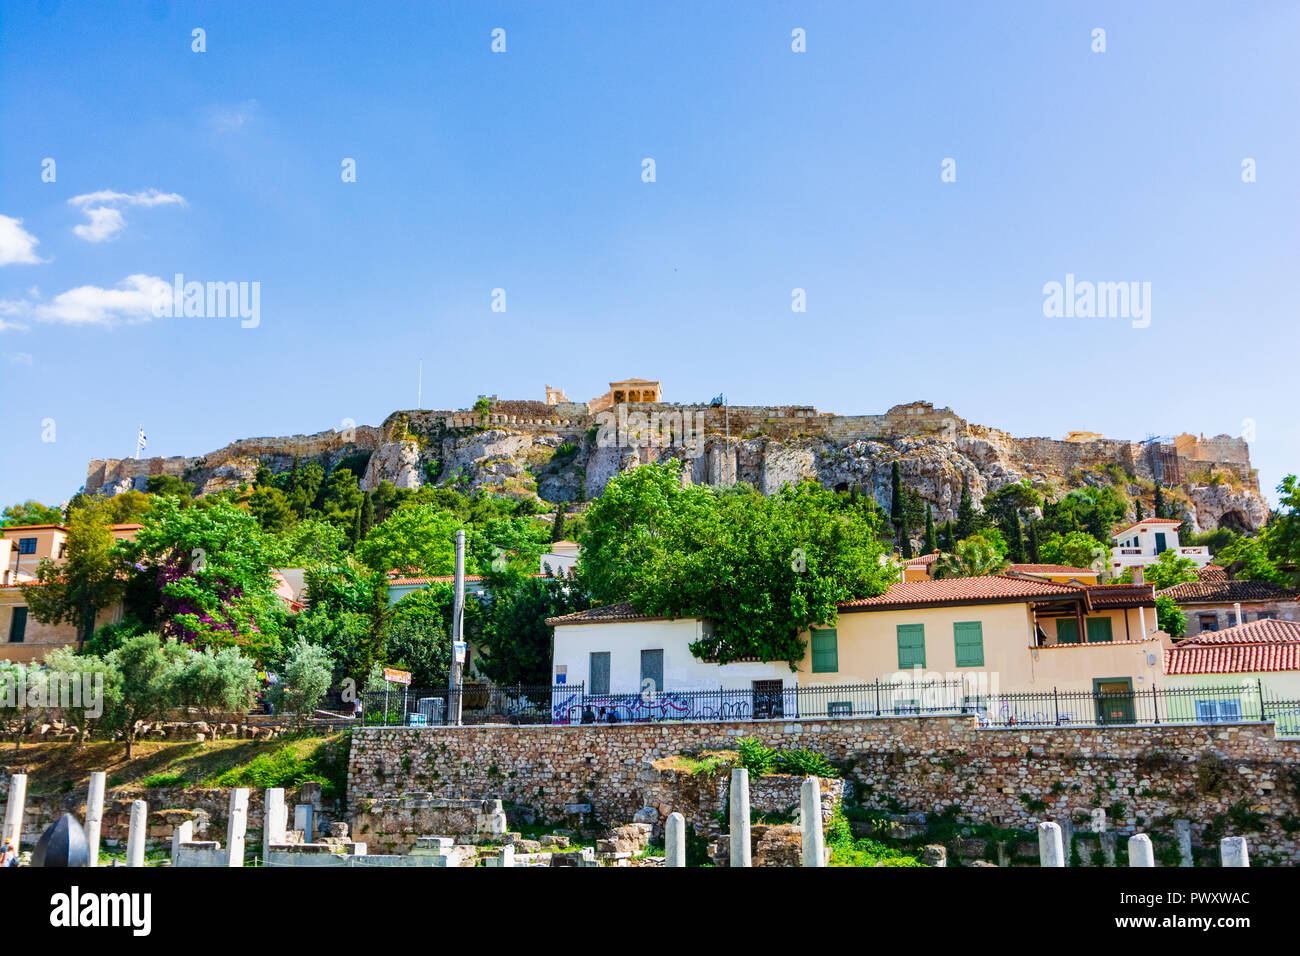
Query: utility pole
point(457, 631)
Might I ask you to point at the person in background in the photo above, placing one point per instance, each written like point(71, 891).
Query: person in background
point(9, 857)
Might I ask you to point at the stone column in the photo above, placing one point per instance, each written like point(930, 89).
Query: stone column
point(740, 818)
point(274, 820)
point(675, 840)
point(14, 809)
point(1067, 839)
point(182, 834)
point(1140, 851)
point(139, 831)
point(1183, 831)
point(810, 822)
point(94, 816)
point(302, 820)
point(236, 826)
point(1233, 852)
point(1050, 849)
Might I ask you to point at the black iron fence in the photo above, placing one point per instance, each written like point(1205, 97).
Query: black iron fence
point(766, 700)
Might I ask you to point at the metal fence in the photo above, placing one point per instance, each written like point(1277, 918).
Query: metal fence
point(571, 704)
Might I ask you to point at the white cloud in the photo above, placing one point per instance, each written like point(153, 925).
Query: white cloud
point(17, 245)
point(106, 220)
point(227, 119)
point(18, 358)
point(130, 302)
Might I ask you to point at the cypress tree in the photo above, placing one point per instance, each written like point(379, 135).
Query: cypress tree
point(557, 526)
point(1160, 501)
point(1033, 541)
point(896, 499)
point(1137, 509)
point(965, 513)
point(931, 544)
point(367, 517)
point(1016, 545)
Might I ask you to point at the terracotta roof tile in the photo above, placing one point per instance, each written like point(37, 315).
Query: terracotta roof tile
point(1162, 521)
point(1212, 588)
point(1232, 658)
point(990, 588)
point(1050, 569)
point(623, 611)
point(1256, 632)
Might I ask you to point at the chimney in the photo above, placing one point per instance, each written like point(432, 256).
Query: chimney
point(1236, 607)
point(1139, 576)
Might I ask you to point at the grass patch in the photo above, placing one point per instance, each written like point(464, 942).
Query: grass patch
point(164, 779)
point(293, 764)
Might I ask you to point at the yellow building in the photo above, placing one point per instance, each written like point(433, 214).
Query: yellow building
point(1000, 634)
point(627, 390)
point(23, 548)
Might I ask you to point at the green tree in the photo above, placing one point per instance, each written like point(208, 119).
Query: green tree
point(216, 682)
point(88, 712)
point(1167, 570)
point(1016, 541)
point(212, 573)
point(1078, 549)
point(931, 544)
point(896, 499)
point(272, 509)
point(515, 639)
point(30, 512)
point(169, 486)
point(967, 523)
point(309, 543)
point(764, 569)
point(419, 634)
point(974, 557)
point(557, 526)
point(308, 670)
point(89, 578)
point(149, 669)
point(1282, 536)
point(1170, 617)
point(1161, 508)
point(367, 516)
point(420, 537)
point(1032, 550)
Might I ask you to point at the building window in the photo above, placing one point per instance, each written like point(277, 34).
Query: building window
point(18, 625)
point(598, 673)
point(1067, 631)
point(968, 643)
point(652, 671)
point(769, 699)
point(825, 651)
point(1099, 631)
point(911, 646)
point(26, 545)
point(1217, 711)
point(1209, 622)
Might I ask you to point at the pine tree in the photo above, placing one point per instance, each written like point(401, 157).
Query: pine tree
point(557, 526)
point(1016, 543)
point(931, 544)
point(1033, 541)
point(965, 513)
point(905, 544)
point(354, 533)
point(949, 537)
point(1160, 501)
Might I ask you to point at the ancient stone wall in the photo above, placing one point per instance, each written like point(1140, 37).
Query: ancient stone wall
point(1226, 779)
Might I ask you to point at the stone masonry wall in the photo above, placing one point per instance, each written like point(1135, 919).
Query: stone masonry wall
point(1227, 779)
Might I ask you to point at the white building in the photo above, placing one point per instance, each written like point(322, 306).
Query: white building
point(637, 667)
point(559, 561)
point(1142, 542)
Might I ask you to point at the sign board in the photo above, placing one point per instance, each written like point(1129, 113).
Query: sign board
point(394, 676)
point(459, 647)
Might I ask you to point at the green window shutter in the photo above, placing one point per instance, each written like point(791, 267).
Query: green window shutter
point(1067, 631)
point(911, 646)
point(1099, 630)
point(968, 642)
point(825, 651)
point(18, 625)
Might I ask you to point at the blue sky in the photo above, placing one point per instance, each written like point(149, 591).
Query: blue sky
point(521, 170)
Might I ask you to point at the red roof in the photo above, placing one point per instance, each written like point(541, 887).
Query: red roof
point(990, 589)
point(922, 559)
point(1050, 569)
point(622, 611)
point(1232, 659)
point(435, 579)
point(1256, 632)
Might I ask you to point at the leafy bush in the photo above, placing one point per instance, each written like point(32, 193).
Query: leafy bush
point(327, 765)
point(163, 779)
point(806, 763)
point(754, 757)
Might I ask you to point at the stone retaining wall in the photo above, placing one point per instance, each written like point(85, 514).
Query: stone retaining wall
point(1227, 779)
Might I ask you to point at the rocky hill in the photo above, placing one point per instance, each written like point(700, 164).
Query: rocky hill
point(566, 452)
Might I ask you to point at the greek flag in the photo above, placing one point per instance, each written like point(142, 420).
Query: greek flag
point(140, 441)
